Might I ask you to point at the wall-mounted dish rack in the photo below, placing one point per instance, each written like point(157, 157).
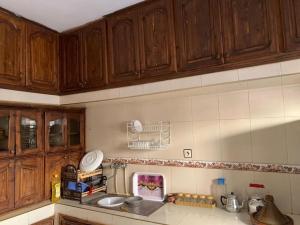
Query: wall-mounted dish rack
point(154, 136)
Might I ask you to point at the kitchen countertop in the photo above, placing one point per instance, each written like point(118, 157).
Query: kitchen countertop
point(171, 214)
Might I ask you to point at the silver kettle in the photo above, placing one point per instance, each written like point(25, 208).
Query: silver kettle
point(231, 204)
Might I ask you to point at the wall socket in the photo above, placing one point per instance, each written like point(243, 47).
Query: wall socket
point(187, 153)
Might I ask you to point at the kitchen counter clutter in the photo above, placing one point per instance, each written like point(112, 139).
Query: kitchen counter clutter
point(169, 214)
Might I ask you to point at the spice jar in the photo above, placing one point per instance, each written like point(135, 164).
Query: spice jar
point(195, 199)
point(187, 199)
point(179, 198)
point(202, 199)
point(210, 200)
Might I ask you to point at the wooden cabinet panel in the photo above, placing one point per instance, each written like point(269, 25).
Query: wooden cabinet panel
point(7, 133)
point(49, 221)
point(68, 220)
point(157, 38)
point(94, 51)
point(291, 29)
point(74, 158)
point(249, 29)
point(75, 131)
point(29, 180)
point(55, 131)
point(53, 165)
point(29, 132)
point(198, 33)
point(12, 54)
point(6, 185)
point(71, 61)
point(41, 59)
point(123, 46)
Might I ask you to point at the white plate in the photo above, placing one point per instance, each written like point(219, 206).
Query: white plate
point(91, 161)
point(137, 126)
point(111, 201)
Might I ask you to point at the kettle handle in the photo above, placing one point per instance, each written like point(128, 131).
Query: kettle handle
point(222, 198)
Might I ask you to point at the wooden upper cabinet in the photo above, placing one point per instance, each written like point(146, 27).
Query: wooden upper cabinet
point(291, 24)
point(7, 186)
point(198, 34)
point(12, 54)
point(71, 61)
point(157, 38)
point(55, 131)
point(29, 132)
point(94, 52)
point(41, 59)
point(249, 29)
point(7, 133)
point(29, 180)
point(75, 131)
point(123, 46)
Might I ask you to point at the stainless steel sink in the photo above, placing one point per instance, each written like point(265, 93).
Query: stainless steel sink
point(117, 202)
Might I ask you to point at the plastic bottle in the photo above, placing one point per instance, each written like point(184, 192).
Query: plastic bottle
point(219, 189)
point(55, 183)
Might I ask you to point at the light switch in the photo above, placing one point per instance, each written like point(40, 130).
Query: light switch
point(187, 153)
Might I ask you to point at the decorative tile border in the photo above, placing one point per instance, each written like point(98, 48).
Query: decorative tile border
point(257, 167)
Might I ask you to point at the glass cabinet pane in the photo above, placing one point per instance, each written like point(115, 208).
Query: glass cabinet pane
point(28, 133)
point(74, 132)
point(4, 133)
point(56, 133)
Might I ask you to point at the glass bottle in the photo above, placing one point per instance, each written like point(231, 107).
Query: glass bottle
point(55, 183)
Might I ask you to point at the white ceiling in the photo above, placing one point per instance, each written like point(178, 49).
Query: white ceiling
point(63, 15)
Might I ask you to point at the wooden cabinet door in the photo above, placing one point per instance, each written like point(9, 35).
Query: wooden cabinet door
point(75, 131)
point(157, 38)
point(7, 185)
point(291, 22)
point(29, 132)
point(55, 131)
point(68, 220)
point(12, 54)
point(53, 165)
point(249, 29)
point(198, 33)
point(29, 181)
point(123, 46)
point(7, 133)
point(74, 158)
point(49, 221)
point(41, 59)
point(71, 61)
point(94, 52)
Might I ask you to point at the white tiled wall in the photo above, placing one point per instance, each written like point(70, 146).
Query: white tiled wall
point(246, 121)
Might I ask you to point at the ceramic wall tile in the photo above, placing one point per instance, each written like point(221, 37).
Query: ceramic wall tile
point(277, 185)
point(238, 181)
point(181, 138)
point(291, 79)
point(205, 107)
point(266, 102)
point(234, 105)
point(261, 71)
point(235, 140)
point(183, 180)
point(295, 184)
point(292, 100)
point(268, 140)
point(207, 140)
point(131, 91)
point(220, 77)
point(291, 66)
point(292, 125)
point(187, 82)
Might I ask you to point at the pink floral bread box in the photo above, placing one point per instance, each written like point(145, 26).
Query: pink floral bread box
point(149, 186)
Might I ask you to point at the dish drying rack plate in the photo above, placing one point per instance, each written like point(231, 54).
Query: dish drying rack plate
point(154, 136)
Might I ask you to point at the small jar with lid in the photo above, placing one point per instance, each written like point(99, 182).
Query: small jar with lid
point(195, 199)
point(210, 200)
point(202, 200)
point(187, 199)
point(179, 198)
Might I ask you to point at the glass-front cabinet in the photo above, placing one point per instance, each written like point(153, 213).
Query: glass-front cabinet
point(55, 131)
point(29, 132)
point(75, 129)
point(7, 137)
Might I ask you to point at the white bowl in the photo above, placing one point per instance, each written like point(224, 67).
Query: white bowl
point(111, 201)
